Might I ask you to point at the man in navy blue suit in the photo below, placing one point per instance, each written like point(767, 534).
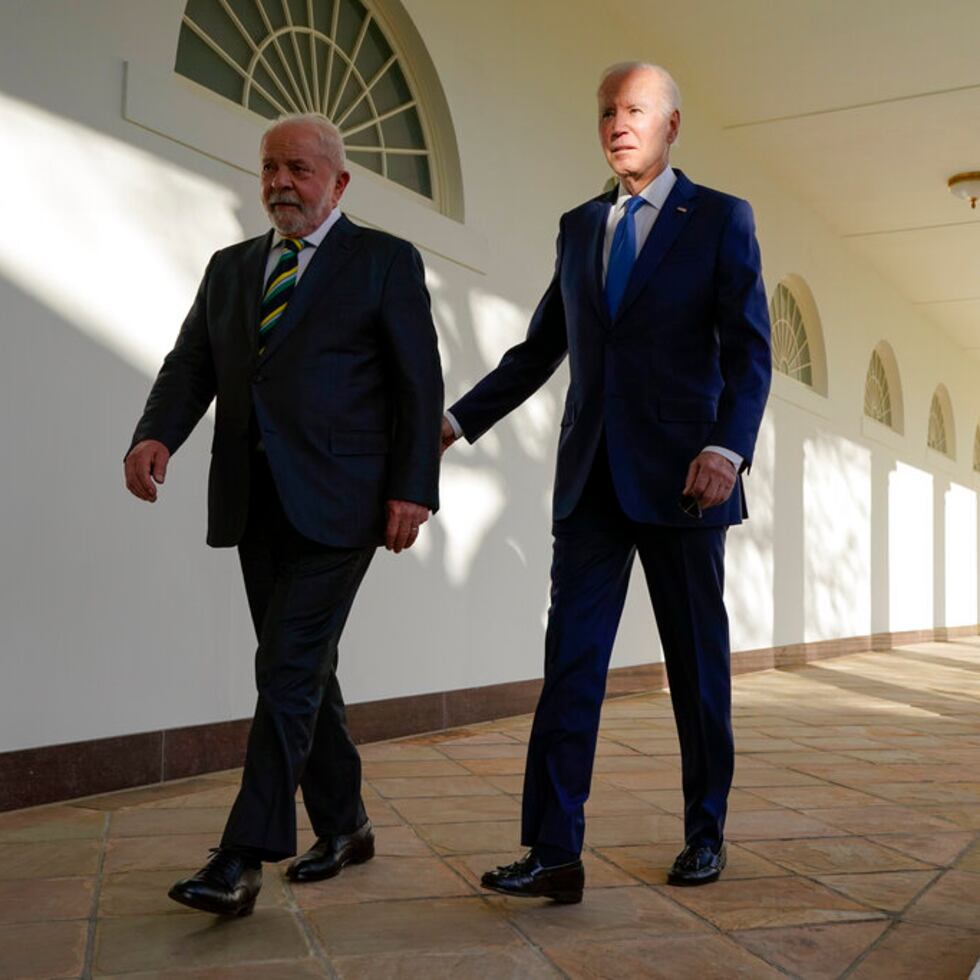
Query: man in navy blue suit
point(658, 302)
point(318, 343)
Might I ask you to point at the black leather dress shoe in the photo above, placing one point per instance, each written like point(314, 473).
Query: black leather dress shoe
point(329, 855)
point(697, 866)
point(227, 885)
point(528, 878)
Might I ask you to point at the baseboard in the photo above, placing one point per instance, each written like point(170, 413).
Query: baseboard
point(30, 777)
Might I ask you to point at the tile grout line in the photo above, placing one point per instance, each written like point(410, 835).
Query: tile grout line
point(529, 943)
point(864, 954)
point(96, 898)
point(316, 948)
point(890, 918)
point(476, 893)
point(887, 919)
point(881, 914)
point(484, 899)
point(609, 862)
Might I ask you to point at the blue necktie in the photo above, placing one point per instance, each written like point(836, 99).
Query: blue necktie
point(622, 255)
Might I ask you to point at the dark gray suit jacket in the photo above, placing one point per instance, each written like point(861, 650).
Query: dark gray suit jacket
point(347, 395)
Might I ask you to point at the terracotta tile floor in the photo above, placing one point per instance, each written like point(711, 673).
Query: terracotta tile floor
point(854, 850)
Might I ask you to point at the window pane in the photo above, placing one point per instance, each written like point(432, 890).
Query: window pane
point(215, 23)
point(370, 160)
point(411, 172)
point(195, 60)
point(391, 91)
point(375, 51)
point(403, 130)
point(284, 49)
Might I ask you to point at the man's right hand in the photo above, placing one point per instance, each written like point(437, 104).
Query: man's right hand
point(448, 435)
point(145, 466)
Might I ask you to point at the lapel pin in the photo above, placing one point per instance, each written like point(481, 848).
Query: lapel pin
point(682, 210)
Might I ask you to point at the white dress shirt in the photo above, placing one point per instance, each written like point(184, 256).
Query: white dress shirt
point(313, 240)
point(655, 193)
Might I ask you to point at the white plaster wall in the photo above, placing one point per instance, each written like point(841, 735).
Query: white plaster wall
point(117, 618)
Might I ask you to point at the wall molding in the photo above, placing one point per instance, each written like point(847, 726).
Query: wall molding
point(178, 109)
point(31, 777)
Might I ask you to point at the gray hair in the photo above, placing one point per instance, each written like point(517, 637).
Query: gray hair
point(331, 142)
point(672, 94)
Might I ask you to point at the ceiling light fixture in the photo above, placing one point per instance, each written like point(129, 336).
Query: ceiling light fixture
point(966, 185)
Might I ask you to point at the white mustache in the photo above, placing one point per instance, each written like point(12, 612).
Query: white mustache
point(284, 199)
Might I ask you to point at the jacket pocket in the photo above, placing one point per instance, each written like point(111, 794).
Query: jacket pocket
point(688, 410)
point(358, 443)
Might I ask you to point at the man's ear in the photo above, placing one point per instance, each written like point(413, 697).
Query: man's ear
point(340, 185)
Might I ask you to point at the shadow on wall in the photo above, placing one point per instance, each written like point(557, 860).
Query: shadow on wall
point(475, 614)
point(131, 232)
point(118, 618)
point(749, 564)
point(960, 507)
point(107, 626)
point(837, 543)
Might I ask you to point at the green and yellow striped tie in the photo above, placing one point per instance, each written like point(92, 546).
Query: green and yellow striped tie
point(279, 288)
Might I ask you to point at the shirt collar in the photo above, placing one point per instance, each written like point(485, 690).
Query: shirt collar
point(654, 193)
point(314, 238)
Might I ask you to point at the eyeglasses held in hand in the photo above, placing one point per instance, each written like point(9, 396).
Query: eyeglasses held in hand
point(690, 506)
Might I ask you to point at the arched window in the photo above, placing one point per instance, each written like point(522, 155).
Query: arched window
point(877, 394)
point(941, 436)
point(790, 346)
point(797, 340)
point(883, 388)
point(338, 57)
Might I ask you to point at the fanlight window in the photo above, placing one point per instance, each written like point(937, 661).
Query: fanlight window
point(790, 345)
point(877, 393)
point(276, 57)
point(937, 427)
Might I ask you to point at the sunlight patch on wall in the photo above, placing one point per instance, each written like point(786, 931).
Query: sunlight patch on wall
point(127, 234)
point(749, 547)
point(961, 556)
point(471, 502)
point(536, 424)
point(910, 557)
point(497, 325)
point(837, 537)
point(444, 317)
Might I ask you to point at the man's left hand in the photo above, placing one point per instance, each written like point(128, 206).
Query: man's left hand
point(710, 479)
point(448, 435)
point(404, 521)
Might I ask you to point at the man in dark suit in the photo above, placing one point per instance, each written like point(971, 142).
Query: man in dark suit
point(317, 341)
point(658, 301)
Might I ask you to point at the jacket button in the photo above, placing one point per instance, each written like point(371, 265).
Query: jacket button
point(258, 379)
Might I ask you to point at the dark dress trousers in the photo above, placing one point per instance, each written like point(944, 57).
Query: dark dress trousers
point(684, 364)
point(339, 413)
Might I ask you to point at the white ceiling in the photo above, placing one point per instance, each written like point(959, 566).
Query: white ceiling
point(864, 108)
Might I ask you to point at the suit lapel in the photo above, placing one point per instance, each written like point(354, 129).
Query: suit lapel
point(673, 217)
point(252, 284)
point(598, 219)
point(328, 260)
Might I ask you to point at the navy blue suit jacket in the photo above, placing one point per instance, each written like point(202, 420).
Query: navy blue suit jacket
point(684, 364)
point(347, 395)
